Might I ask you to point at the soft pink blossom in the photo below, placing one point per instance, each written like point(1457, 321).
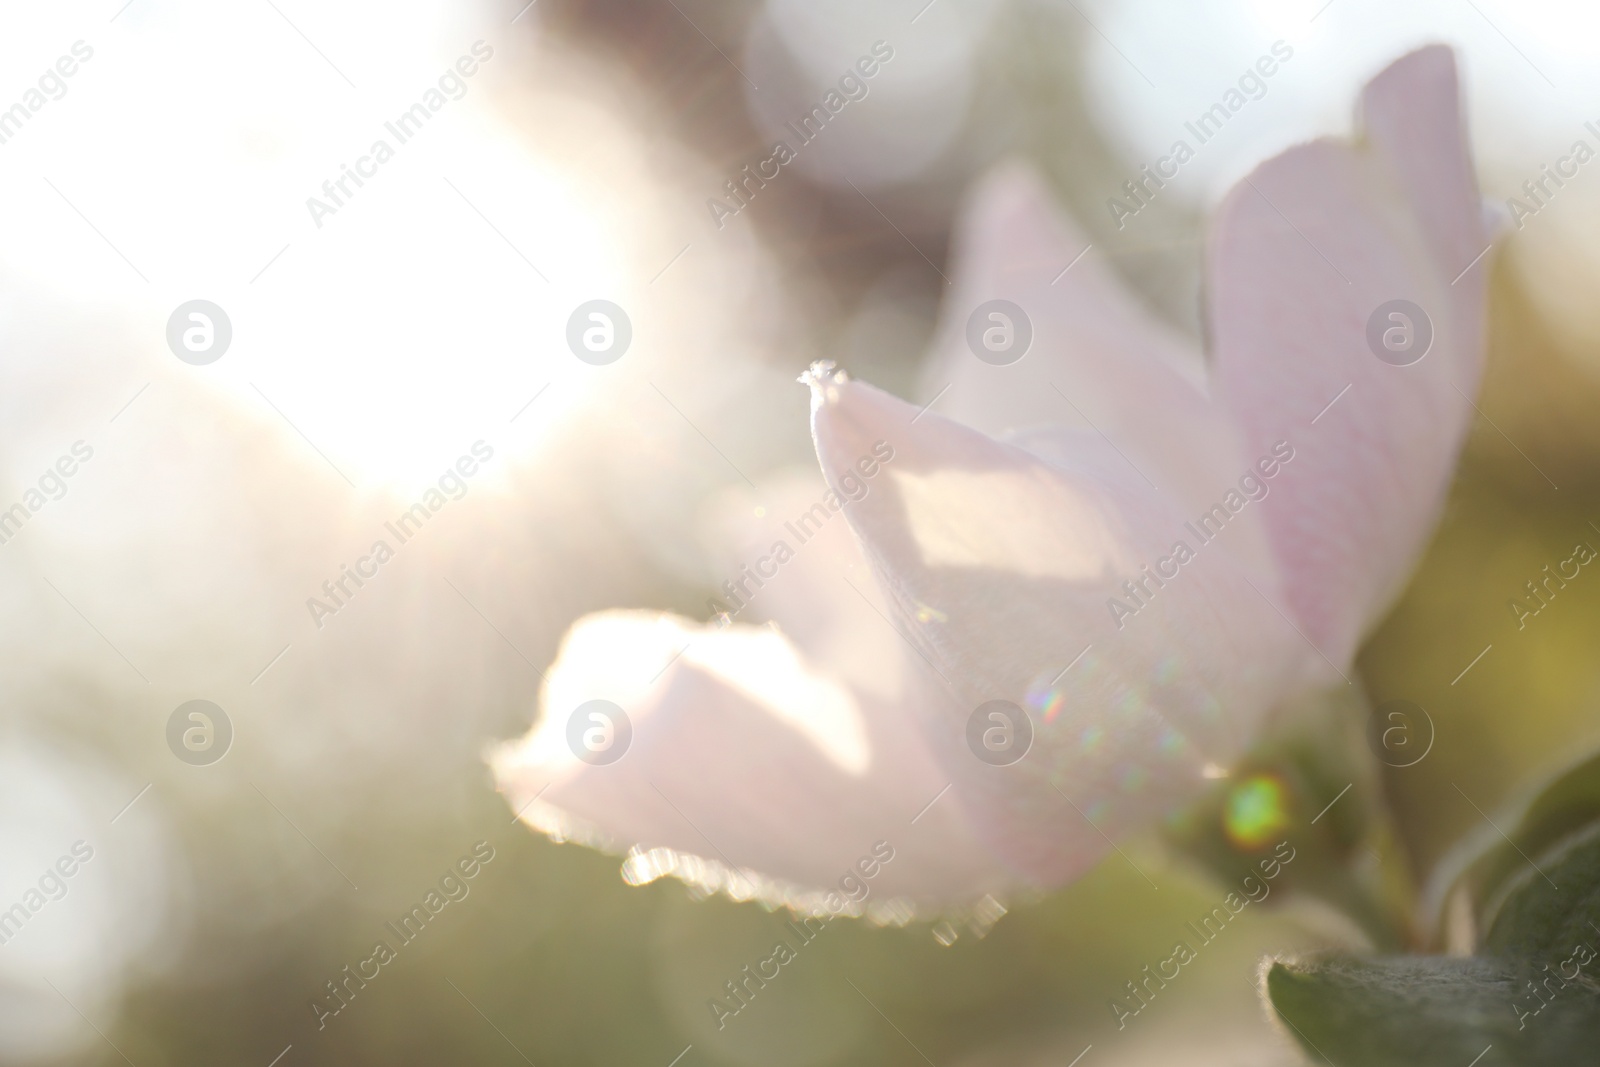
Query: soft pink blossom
point(1016, 515)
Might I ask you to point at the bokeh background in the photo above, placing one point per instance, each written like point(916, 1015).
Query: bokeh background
point(428, 313)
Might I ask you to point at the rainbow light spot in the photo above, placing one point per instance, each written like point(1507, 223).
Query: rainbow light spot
point(1257, 811)
point(1051, 703)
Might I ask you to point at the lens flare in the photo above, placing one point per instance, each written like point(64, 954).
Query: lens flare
point(1257, 811)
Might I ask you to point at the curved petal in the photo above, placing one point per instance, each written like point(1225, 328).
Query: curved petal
point(769, 755)
point(1098, 361)
point(823, 597)
point(748, 772)
point(1308, 251)
point(1003, 571)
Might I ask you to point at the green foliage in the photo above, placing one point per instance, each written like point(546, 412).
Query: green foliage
point(1553, 904)
point(1401, 1011)
point(1535, 825)
point(1531, 994)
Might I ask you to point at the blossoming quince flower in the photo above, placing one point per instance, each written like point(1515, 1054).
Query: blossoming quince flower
point(1175, 549)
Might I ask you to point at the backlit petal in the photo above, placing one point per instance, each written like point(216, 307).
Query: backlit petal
point(1306, 256)
point(1002, 569)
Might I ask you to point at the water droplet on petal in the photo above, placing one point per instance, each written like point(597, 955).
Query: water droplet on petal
point(824, 378)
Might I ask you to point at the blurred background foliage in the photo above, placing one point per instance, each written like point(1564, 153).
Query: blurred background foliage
point(551, 959)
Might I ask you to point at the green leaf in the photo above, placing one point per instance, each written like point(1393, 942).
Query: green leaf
point(1400, 1012)
point(1487, 863)
point(1551, 907)
point(1533, 995)
point(1421, 1011)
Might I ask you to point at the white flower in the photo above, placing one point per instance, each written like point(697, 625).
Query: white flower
point(1178, 548)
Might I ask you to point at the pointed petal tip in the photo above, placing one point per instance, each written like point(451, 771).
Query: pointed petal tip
point(1436, 59)
point(824, 377)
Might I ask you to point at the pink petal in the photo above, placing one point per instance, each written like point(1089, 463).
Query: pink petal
point(1000, 568)
point(1303, 255)
point(1099, 361)
point(824, 600)
point(749, 771)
